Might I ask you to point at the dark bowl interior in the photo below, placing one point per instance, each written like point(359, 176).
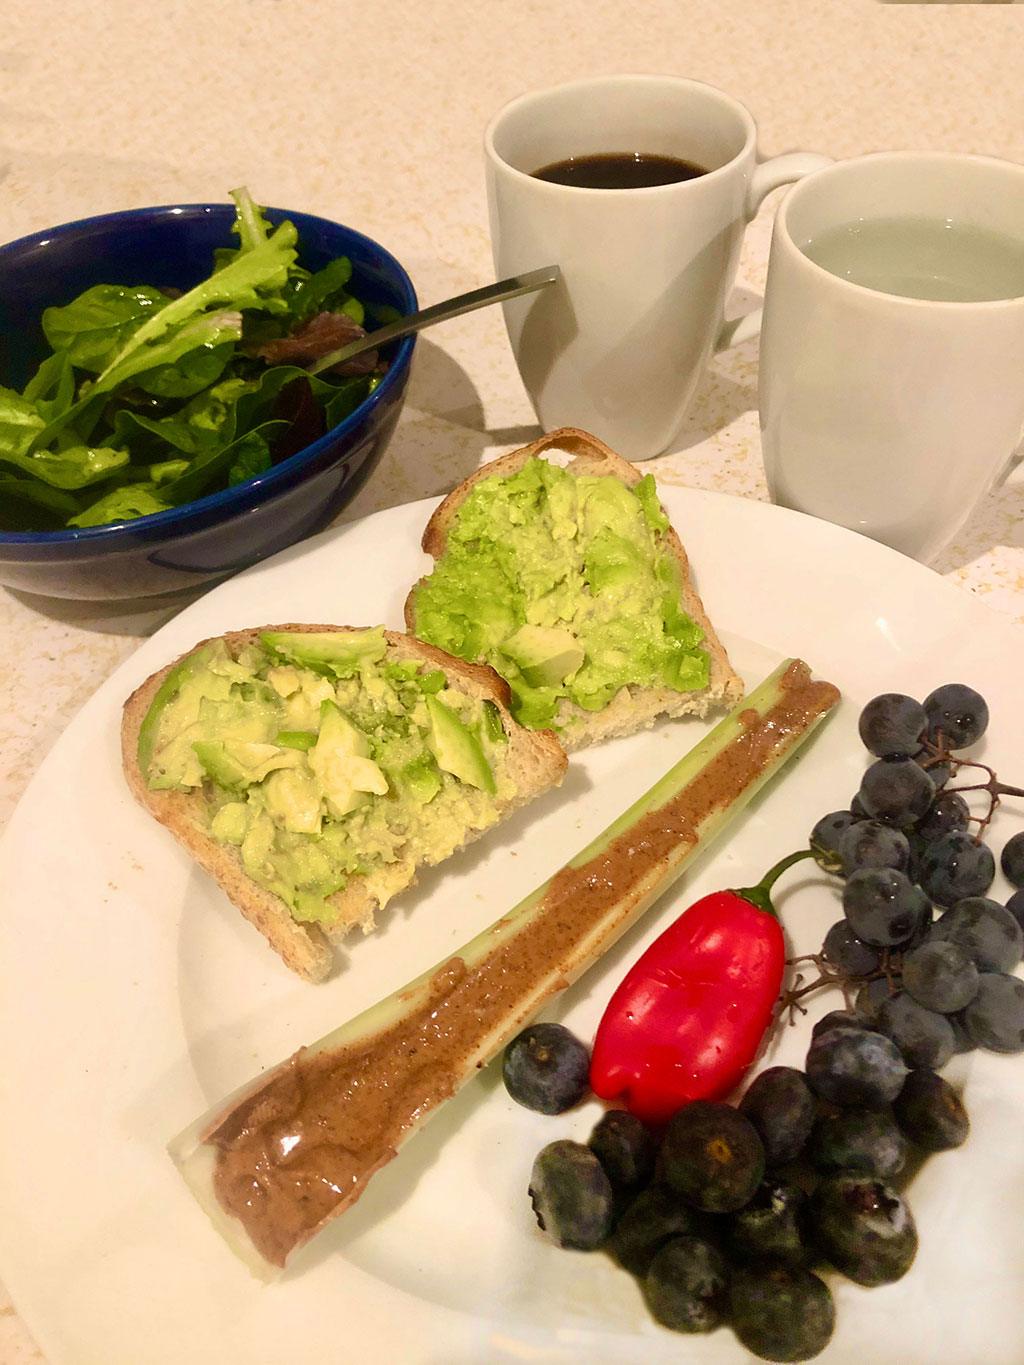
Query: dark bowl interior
point(218, 534)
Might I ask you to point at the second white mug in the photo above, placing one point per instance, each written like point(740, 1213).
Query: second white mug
point(887, 413)
point(618, 346)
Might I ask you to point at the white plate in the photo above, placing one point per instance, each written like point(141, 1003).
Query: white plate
point(134, 996)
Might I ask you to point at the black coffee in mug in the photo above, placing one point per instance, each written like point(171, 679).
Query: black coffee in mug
point(619, 171)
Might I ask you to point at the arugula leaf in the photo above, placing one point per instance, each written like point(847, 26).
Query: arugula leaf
point(312, 293)
point(191, 375)
point(250, 225)
point(20, 423)
point(208, 420)
point(75, 467)
point(36, 494)
point(252, 457)
point(91, 328)
point(52, 388)
point(121, 504)
point(166, 470)
point(346, 398)
point(214, 464)
point(208, 330)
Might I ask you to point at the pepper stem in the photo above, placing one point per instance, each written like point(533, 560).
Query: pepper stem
point(760, 895)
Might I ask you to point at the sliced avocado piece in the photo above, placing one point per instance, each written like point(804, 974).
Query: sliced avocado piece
point(230, 822)
point(612, 561)
point(421, 779)
point(293, 800)
point(296, 739)
point(341, 763)
point(284, 679)
point(328, 651)
point(237, 764)
point(166, 692)
point(456, 748)
point(545, 655)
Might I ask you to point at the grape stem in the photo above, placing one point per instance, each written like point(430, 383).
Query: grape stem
point(940, 753)
point(831, 975)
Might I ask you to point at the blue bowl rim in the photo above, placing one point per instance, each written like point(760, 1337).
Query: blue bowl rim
point(241, 493)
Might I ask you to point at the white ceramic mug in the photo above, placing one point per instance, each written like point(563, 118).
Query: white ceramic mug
point(890, 415)
point(618, 346)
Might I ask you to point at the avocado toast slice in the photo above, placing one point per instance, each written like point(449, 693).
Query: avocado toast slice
point(570, 581)
point(311, 770)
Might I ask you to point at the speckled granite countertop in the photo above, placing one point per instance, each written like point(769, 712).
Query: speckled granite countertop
point(372, 114)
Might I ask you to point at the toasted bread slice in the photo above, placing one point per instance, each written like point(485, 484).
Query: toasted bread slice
point(534, 761)
point(633, 708)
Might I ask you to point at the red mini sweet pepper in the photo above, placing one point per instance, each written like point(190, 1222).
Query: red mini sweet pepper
point(689, 1016)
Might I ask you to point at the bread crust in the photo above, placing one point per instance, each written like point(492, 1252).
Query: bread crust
point(633, 708)
point(537, 757)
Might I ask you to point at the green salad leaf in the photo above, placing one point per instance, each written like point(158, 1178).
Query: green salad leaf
point(92, 328)
point(123, 504)
point(149, 400)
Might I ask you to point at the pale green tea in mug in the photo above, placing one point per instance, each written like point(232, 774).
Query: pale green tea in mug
point(923, 258)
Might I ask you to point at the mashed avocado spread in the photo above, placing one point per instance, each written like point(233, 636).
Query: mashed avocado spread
point(320, 759)
point(564, 585)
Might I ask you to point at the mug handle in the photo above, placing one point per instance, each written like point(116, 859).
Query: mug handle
point(768, 176)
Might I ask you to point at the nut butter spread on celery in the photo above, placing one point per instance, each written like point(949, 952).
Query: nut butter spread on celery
point(305, 1144)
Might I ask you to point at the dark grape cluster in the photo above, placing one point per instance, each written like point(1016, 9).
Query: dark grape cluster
point(726, 1215)
point(924, 951)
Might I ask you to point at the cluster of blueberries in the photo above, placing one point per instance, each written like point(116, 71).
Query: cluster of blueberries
point(723, 1214)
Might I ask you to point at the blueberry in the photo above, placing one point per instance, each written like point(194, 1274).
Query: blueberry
point(931, 1113)
point(924, 1037)
point(956, 866)
point(625, 1148)
point(986, 931)
point(1012, 860)
point(771, 1226)
point(825, 837)
point(656, 1215)
point(995, 1017)
point(571, 1195)
point(940, 976)
point(686, 1286)
point(780, 1105)
point(864, 1228)
point(712, 1155)
point(546, 1068)
point(957, 715)
point(846, 951)
point(867, 1140)
point(858, 1068)
point(781, 1312)
point(892, 724)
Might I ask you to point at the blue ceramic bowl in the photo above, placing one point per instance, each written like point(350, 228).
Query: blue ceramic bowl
point(223, 532)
